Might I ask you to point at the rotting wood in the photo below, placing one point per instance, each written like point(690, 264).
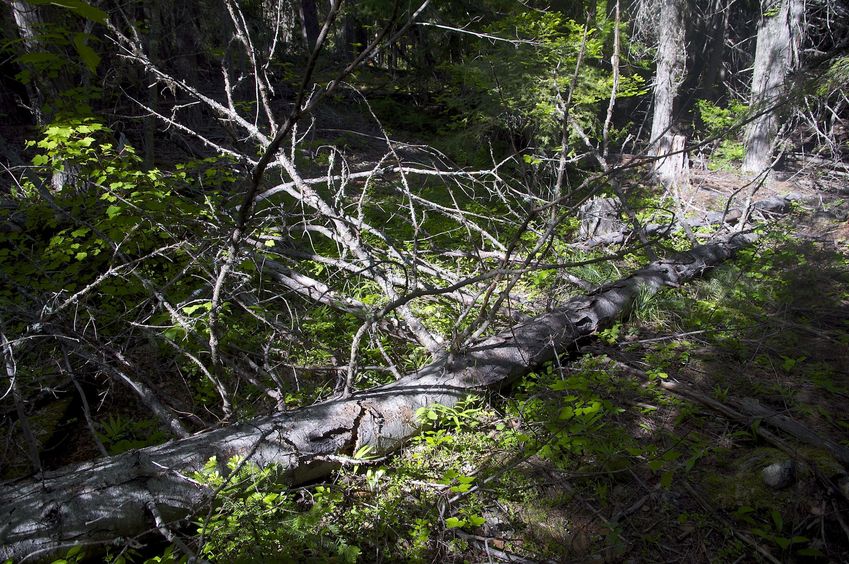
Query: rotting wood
point(97, 502)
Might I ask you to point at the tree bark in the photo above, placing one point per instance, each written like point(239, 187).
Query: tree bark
point(97, 502)
point(671, 67)
point(776, 55)
point(27, 21)
point(309, 23)
point(712, 38)
point(674, 168)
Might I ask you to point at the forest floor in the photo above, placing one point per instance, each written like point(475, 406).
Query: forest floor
point(646, 443)
point(710, 426)
point(667, 460)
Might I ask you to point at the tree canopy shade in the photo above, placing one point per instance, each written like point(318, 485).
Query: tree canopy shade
point(258, 242)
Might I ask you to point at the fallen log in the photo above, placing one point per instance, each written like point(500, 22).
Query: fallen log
point(769, 207)
point(110, 500)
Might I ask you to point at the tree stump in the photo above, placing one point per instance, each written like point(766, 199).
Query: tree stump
point(600, 217)
point(673, 166)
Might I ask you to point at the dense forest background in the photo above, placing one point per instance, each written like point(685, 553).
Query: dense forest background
point(374, 280)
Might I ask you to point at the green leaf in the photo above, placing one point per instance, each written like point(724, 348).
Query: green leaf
point(671, 455)
point(782, 542)
point(362, 452)
point(78, 7)
point(476, 520)
point(88, 55)
point(113, 211)
point(454, 523)
point(40, 160)
point(81, 256)
point(777, 520)
point(189, 310)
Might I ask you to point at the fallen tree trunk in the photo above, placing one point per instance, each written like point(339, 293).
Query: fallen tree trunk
point(763, 208)
point(99, 502)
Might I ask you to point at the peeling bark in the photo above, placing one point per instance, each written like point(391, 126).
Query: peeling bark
point(100, 501)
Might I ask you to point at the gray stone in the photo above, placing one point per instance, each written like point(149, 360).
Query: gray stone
point(780, 475)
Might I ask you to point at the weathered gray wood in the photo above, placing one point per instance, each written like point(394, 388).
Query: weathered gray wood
point(673, 169)
point(671, 68)
point(776, 55)
point(599, 217)
point(99, 501)
point(776, 205)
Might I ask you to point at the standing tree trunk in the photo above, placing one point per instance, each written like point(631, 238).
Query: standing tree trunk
point(309, 23)
point(776, 55)
point(43, 89)
point(27, 21)
point(671, 67)
point(152, 15)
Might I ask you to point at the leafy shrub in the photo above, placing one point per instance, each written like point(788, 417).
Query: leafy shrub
point(719, 121)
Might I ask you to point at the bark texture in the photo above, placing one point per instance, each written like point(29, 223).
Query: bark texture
point(599, 217)
point(776, 55)
point(100, 501)
point(671, 66)
point(673, 169)
point(27, 21)
point(309, 23)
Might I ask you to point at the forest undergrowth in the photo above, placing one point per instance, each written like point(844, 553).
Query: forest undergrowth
point(247, 248)
point(638, 444)
point(615, 451)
